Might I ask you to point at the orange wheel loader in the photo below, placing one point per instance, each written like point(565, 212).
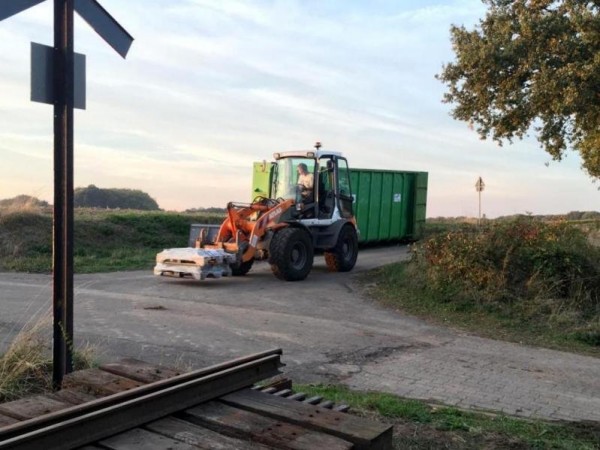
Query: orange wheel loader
point(284, 228)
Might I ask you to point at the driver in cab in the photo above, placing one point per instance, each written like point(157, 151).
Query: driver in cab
point(305, 183)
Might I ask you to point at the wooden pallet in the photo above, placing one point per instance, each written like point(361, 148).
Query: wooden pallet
point(268, 417)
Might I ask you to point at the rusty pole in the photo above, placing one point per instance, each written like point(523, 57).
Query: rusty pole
point(62, 266)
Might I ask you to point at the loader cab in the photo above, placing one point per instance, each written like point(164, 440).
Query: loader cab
point(331, 197)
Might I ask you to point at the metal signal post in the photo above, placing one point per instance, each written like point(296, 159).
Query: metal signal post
point(62, 296)
point(59, 89)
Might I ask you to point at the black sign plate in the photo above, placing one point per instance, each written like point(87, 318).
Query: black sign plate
point(11, 7)
point(103, 23)
point(42, 76)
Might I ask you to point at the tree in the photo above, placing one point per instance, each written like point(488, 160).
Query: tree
point(531, 64)
point(94, 197)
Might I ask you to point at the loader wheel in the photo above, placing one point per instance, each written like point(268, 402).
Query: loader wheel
point(242, 268)
point(291, 254)
point(342, 257)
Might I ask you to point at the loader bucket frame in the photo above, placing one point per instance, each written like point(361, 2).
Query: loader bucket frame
point(246, 225)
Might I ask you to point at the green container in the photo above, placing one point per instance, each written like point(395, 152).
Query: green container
point(389, 205)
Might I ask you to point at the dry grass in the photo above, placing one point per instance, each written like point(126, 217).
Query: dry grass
point(24, 203)
point(26, 367)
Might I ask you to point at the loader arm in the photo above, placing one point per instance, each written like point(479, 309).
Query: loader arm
point(247, 224)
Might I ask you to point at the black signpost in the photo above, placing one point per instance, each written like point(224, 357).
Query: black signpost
point(61, 93)
point(62, 261)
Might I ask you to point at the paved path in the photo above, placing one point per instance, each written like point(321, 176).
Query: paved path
point(328, 330)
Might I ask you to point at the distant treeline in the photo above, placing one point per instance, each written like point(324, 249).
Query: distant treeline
point(90, 197)
point(94, 197)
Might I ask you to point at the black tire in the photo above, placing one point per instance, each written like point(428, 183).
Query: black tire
point(291, 254)
point(342, 257)
point(241, 269)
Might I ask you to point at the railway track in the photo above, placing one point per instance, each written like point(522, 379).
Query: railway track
point(132, 405)
point(87, 423)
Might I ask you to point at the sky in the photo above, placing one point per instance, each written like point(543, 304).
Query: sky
point(209, 87)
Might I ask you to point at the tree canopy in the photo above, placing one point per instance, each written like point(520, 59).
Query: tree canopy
point(531, 64)
point(94, 197)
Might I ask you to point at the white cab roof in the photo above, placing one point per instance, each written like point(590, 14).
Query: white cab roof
point(305, 154)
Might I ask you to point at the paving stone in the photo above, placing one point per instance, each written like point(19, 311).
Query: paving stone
point(481, 373)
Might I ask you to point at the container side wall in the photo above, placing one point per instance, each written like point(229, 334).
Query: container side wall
point(363, 198)
point(398, 200)
point(361, 184)
point(420, 204)
point(374, 206)
point(409, 206)
point(385, 207)
point(390, 205)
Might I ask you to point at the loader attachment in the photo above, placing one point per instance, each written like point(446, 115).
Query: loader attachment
point(199, 263)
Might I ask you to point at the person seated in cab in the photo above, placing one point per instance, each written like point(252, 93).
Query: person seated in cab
point(305, 184)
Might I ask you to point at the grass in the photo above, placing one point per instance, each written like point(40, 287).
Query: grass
point(528, 281)
point(26, 367)
point(419, 425)
point(397, 286)
point(104, 240)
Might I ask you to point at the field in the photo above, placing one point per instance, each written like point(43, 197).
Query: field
point(105, 240)
point(111, 240)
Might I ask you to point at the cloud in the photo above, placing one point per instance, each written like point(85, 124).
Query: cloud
point(209, 87)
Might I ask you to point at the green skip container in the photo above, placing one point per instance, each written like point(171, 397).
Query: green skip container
point(389, 205)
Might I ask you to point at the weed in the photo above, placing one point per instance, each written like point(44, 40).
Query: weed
point(26, 367)
point(421, 425)
point(525, 280)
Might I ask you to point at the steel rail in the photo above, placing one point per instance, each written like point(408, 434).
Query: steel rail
point(77, 410)
point(83, 424)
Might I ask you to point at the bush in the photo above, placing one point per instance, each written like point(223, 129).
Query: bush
point(22, 203)
point(25, 234)
point(546, 268)
point(590, 215)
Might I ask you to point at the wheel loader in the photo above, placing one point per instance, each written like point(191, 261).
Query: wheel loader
point(285, 227)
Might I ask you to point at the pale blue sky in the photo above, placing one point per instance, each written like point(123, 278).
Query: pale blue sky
point(211, 86)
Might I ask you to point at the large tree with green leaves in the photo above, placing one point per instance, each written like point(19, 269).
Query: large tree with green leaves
point(531, 65)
